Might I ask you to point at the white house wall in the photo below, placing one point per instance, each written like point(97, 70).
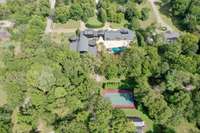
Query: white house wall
point(114, 44)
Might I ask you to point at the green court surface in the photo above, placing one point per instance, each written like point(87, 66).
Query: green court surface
point(119, 98)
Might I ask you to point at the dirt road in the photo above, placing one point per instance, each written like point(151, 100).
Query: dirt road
point(156, 12)
point(49, 24)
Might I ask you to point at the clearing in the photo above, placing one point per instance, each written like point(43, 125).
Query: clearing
point(161, 19)
point(68, 27)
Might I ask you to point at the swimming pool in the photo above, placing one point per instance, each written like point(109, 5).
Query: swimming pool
point(118, 49)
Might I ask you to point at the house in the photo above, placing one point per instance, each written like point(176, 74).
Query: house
point(114, 41)
point(138, 123)
point(171, 36)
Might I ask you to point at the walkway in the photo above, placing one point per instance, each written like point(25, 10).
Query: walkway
point(49, 25)
point(158, 17)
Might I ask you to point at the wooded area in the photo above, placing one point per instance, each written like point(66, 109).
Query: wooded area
point(45, 81)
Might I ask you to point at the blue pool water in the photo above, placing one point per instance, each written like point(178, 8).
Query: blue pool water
point(118, 50)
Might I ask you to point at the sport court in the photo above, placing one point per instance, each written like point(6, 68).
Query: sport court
point(119, 98)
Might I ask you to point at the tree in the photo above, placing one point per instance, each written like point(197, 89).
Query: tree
point(178, 102)
point(41, 77)
point(62, 14)
point(145, 13)
point(5, 119)
point(133, 59)
point(111, 71)
point(100, 117)
point(151, 61)
point(87, 12)
point(43, 8)
point(134, 24)
point(102, 15)
point(34, 28)
point(76, 12)
point(131, 12)
point(179, 7)
point(189, 44)
point(119, 122)
point(157, 107)
point(196, 102)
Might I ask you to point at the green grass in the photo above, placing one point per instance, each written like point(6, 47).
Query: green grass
point(59, 38)
point(3, 97)
point(118, 25)
point(116, 85)
point(133, 112)
point(93, 22)
point(71, 24)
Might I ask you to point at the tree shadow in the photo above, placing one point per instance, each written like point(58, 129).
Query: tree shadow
point(158, 128)
point(165, 10)
point(128, 84)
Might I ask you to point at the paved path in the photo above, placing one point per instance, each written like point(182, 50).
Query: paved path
point(48, 28)
point(49, 25)
point(82, 26)
point(158, 17)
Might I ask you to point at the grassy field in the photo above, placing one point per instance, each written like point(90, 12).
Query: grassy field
point(61, 32)
point(93, 22)
point(134, 112)
point(3, 97)
point(61, 37)
point(71, 24)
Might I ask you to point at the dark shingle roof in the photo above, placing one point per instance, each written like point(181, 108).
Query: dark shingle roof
point(123, 34)
point(83, 43)
point(171, 35)
point(86, 42)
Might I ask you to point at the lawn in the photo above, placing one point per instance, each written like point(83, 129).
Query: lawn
point(117, 85)
point(71, 24)
point(134, 112)
point(118, 25)
point(93, 22)
point(62, 37)
point(3, 97)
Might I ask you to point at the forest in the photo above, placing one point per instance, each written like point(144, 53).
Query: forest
point(45, 84)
